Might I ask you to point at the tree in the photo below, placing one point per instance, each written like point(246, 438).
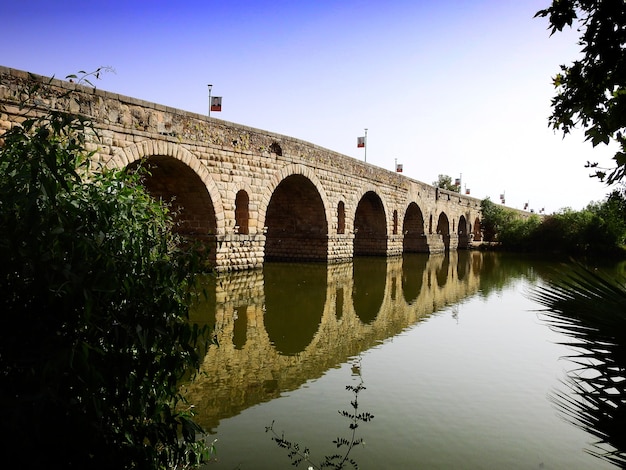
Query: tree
point(591, 92)
point(493, 219)
point(94, 295)
point(445, 182)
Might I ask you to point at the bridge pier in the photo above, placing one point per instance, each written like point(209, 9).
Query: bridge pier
point(236, 252)
point(340, 248)
point(395, 245)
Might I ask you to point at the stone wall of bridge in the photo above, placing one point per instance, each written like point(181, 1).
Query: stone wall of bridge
point(250, 194)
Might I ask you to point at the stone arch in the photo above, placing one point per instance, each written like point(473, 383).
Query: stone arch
point(443, 229)
point(370, 225)
point(251, 215)
point(356, 197)
point(282, 174)
point(242, 212)
point(296, 219)
point(341, 217)
point(414, 238)
point(463, 232)
point(148, 148)
point(395, 222)
point(477, 230)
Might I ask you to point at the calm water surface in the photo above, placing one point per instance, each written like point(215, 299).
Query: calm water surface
point(457, 363)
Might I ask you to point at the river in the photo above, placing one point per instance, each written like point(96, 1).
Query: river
point(459, 367)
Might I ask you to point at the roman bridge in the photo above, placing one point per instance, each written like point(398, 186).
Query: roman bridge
point(250, 194)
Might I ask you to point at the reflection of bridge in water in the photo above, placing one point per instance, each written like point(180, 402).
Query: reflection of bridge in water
point(289, 323)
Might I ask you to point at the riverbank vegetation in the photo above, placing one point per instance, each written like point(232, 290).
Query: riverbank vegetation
point(95, 293)
point(586, 304)
point(598, 229)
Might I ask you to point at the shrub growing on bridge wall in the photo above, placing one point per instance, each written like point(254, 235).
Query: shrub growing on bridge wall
point(94, 294)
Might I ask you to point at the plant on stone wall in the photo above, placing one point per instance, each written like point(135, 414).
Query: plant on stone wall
point(94, 299)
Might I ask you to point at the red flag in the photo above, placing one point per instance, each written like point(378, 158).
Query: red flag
point(216, 103)
point(360, 142)
point(399, 167)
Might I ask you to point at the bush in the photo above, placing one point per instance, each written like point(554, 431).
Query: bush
point(520, 234)
point(94, 336)
point(599, 228)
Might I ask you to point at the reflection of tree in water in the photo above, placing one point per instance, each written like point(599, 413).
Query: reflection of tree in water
point(590, 308)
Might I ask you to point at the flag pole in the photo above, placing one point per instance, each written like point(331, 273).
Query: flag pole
point(365, 140)
point(210, 100)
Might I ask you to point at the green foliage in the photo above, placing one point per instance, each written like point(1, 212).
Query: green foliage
point(94, 336)
point(494, 219)
point(588, 306)
point(591, 92)
point(609, 220)
point(599, 228)
point(520, 234)
point(298, 454)
point(445, 182)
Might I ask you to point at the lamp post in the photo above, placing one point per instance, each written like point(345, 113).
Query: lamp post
point(210, 99)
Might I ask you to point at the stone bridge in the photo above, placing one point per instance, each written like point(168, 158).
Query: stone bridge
point(254, 195)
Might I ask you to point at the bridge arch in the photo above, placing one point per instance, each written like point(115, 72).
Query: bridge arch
point(148, 149)
point(414, 240)
point(443, 229)
point(295, 218)
point(370, 226)
point(280, 176)
point(463, 232)
point(477, 230)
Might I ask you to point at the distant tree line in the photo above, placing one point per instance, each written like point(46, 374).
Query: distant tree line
point(598, 228)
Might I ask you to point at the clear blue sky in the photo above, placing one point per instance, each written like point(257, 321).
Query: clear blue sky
point(460, 88)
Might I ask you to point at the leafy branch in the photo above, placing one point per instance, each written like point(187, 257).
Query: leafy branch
point(298, 454)
point(82, 77)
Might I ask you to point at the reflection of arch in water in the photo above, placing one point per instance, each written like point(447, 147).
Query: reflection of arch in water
point(240, 326)
point(443, 270)
point(413, 267)
point(370, 275)
point(464, 258)
point(295, 295)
